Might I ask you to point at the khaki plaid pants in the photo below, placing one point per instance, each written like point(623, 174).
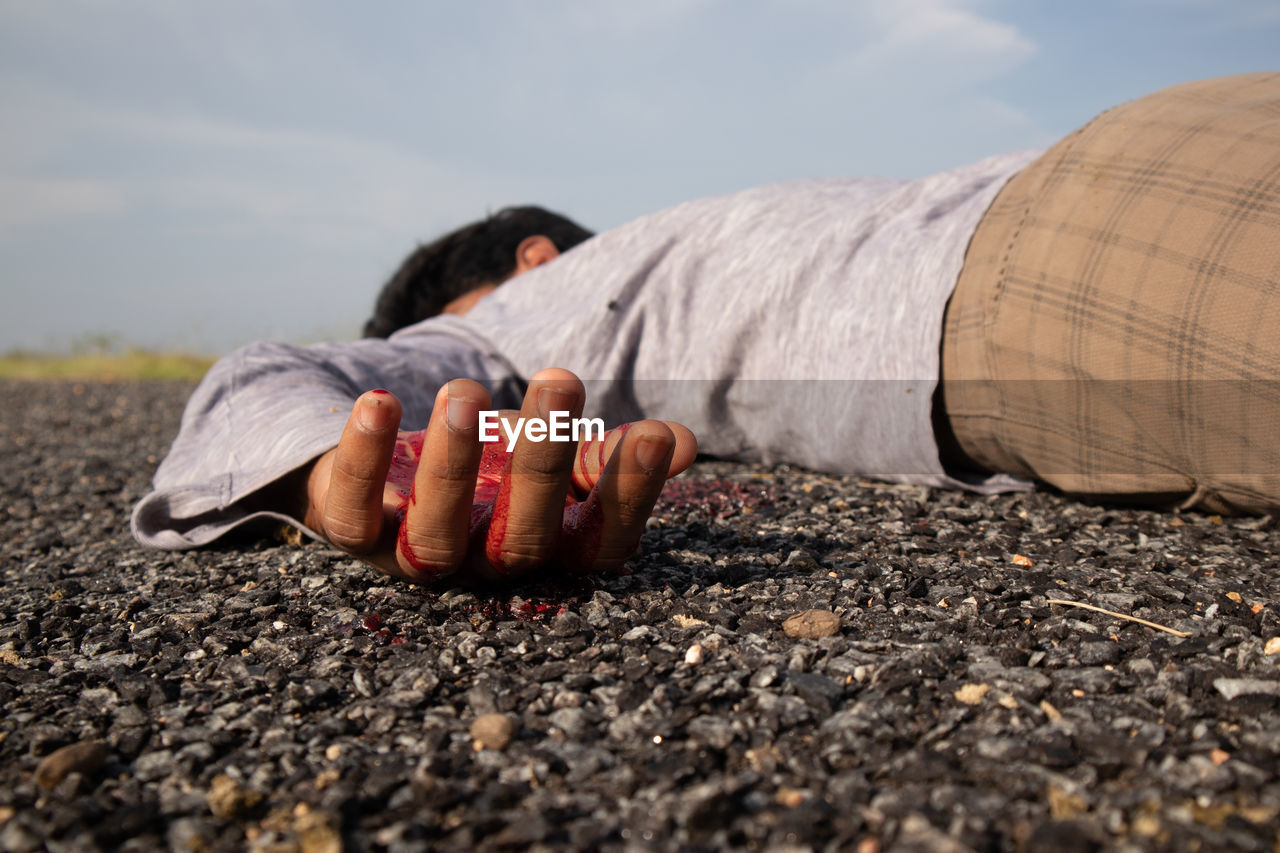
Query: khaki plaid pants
point(1115, 331)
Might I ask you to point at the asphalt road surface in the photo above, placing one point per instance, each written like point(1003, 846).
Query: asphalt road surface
point(280, 697)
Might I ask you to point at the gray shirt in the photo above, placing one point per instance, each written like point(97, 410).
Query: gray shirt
point(797, 322)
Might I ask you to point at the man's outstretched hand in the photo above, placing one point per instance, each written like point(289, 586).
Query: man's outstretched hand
point(439, 502)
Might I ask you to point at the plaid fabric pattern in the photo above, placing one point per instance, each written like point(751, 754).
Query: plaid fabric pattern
point(1115, 330)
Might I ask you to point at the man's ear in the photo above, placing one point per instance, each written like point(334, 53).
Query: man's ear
point(534, 252)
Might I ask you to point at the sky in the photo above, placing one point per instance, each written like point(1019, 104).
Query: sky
point(197, 175)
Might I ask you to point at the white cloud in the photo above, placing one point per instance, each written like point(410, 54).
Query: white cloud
point(921, 24)
point(627, 18)
point(33, 200)
point(248, 176)
point(935, 44)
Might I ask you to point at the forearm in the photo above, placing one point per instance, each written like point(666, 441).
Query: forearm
point(267, 411)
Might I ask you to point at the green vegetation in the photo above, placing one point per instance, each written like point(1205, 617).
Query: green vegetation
point(130, 364)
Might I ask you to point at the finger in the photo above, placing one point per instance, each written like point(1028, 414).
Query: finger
point(529, 508)
point(433, 536)
point(605, 529)
point(686, 449)
point(592, 455)
point(353, 504)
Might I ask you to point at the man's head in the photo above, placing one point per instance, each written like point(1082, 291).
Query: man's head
point(452, 273)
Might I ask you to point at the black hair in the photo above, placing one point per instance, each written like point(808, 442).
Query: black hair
point(481, 253)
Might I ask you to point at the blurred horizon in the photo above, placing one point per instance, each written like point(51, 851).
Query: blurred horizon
point(191, 177)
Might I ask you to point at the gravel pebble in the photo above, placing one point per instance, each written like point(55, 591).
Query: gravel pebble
point(1233, 688)
point(227, 799)
point(493, 731)
point(812, 624)
point(972, 694)
point(85, 758)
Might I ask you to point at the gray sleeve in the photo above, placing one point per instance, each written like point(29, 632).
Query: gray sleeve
point(265, 410)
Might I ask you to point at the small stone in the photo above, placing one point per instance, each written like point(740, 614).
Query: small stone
point(364, 684)
point(570, 721)
point(189, 833)
point(228, 800)
point(1273, 646)
point(333, 751)
point(131, 716)
point(84, 758)
point(916, 833)
point(637, 633)
point(1064, 805)
point(1023, 560)
point(712, 730)
point(1258, 814)
point(153, 766)
point(1146, 825)
point(327, 777)
point(567, 624)
point(1219, 756)
point(569, 699)
point(790, 797)
point(1098, 653)
point(493, 731)
point(524, 834)
point(972, 694)
point(817, 690)
point(693, 656)
point(800, 560)
point(318, 832)
point(188, 622)
point(19, 839)
point(812, 624)
point(764, 676)
point(1233, 688)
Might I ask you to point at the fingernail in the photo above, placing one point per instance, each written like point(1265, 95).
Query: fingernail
point(375, 411)
point(462, 413)
point(651, 452)
point(552, 399)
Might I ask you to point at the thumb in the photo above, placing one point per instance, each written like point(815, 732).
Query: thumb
point(352, 513)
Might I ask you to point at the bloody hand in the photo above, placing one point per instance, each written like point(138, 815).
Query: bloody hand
point(433, 503)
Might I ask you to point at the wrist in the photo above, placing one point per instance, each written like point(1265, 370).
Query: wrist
point(296, 494)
